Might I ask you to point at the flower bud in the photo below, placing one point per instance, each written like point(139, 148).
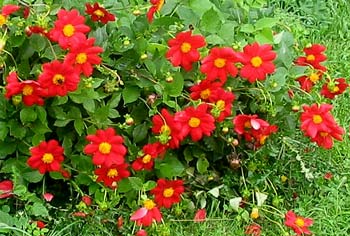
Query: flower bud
point(255, 213)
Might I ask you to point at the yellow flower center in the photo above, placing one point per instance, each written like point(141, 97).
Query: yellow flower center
point(256, 61)
point(247, 125)
point(168, 192)
point(99, 13)
point(47, 158)
point(220, 105)
point(310, 57)
point(314, 77)
point(299, 222)
point(112, 173)
point(220, 62)
point(335, 89)
point(323, 134)
point(149, 204)
point(104, 148)
point(165, 129)
point(185, 47)
point(81, 58)
point(194, 122)
point(68, 30)
point(27, 90)
point(58, 79)
point(317, 119)
point(146, 159)
point(2, 20)
point(205, 94)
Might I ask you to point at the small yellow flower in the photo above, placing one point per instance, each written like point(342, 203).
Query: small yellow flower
point(255, 213)
point(284, 178)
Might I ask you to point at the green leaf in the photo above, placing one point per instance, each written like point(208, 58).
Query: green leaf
point(136, 183)
point(202, 165)
point(140, 132)
point(89, 105)
point(38, 209)
point(265, 36)
point(175, 87)
point(200, 6)
point(41, 112)
point(124, 186)
point(130, 94)
point(235, 202)
point(16, 129)
point(27, 115)
point(3, 130)
point(170, 166)
point(266, 22)
point(247, 28)
point(38, 42)
point(215, 191)
point(260, 198)
point(149, 185)
point(211, 21)
point(7, 148)
point(33, 176)
point(79, 126)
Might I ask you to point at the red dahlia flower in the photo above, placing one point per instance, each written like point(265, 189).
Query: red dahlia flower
point(46, 157)
point(83, 56)
point(98, 13)
point(150, 151)
point(299, 224)
point(308, 81)
point(30, 90)
point(156, 6)
point(253, 230)
point(183, 49)
point(168, 130)
point(333, 88)
point(58, 78)
point(6, 11)
point(196, 121)
point(325, 139)
point(168, 192)
point(257, 61)
point(314, 56)
point(205, 90)
point(69, 29)
point(222, 105)
point(106, 148)
point(6, 189)
point(147, 214)
point(40, 224)
point(113, 174)
point(219, 64)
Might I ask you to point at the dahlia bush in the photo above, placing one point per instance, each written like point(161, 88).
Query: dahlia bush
point(134, 113)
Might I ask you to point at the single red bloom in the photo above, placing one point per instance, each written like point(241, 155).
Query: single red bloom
point(253, 230)
point(99, 13)
point(141, 232)
point(200, 215)
point(168, 192)
point(183, 49)
point(8, 9)
point(46, 157)
point(263, 133)
point(147, 214)
point(87, 200)
point(299, 224)
point(113, 174)
point(150, 151)
point(30, 90)
point(40, 224)
point(58, 78)
point(35, 29)
point(245, 124)
point(315, 119)
point(328, 176)
point(325, 139)
point(205, 90)
point(219, 64)
point(82, 56)
point(314, 56)
point(257, 61)
point(196, 121)
point(106, 148)
point(308, 81)
point(170, 132)
point(222, 104)
point(333, 88)
point(6, 189)
point(69, 29)
point(156, 6)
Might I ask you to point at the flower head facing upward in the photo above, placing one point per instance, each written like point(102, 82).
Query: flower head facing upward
point(46, 157)
point(308, 81)
point(206, 90)
point(219, 64)
point(69, 29)
point(314, 56)
point(113, 174)
point(106, 148)
point(257, 61)
point(156, 7)
point(57, 79)
point(99, 13)
point(6, 189)
point(333, 88)
point(147, 214)
point(146, 161)
point(168, 192)
point(183, 49)
point(300, 225)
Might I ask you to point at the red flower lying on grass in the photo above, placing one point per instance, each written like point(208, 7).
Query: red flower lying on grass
point(183, 49)
point(99, 13)
point(156, 6)
point(40, 224)
point(106, 148)
point(333, 88)
point(168, 192)
point(6, 189)
point(112, 174)
point(147, 214)
point(299, 224)
point(253, 230)
point(314, 56)
point(200, 215)
point(257, 61)
point(46, 157)
point(31, 91)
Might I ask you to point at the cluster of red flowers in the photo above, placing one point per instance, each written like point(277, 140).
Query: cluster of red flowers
point(318, 123)
point(60, 77)
point(314, 56)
